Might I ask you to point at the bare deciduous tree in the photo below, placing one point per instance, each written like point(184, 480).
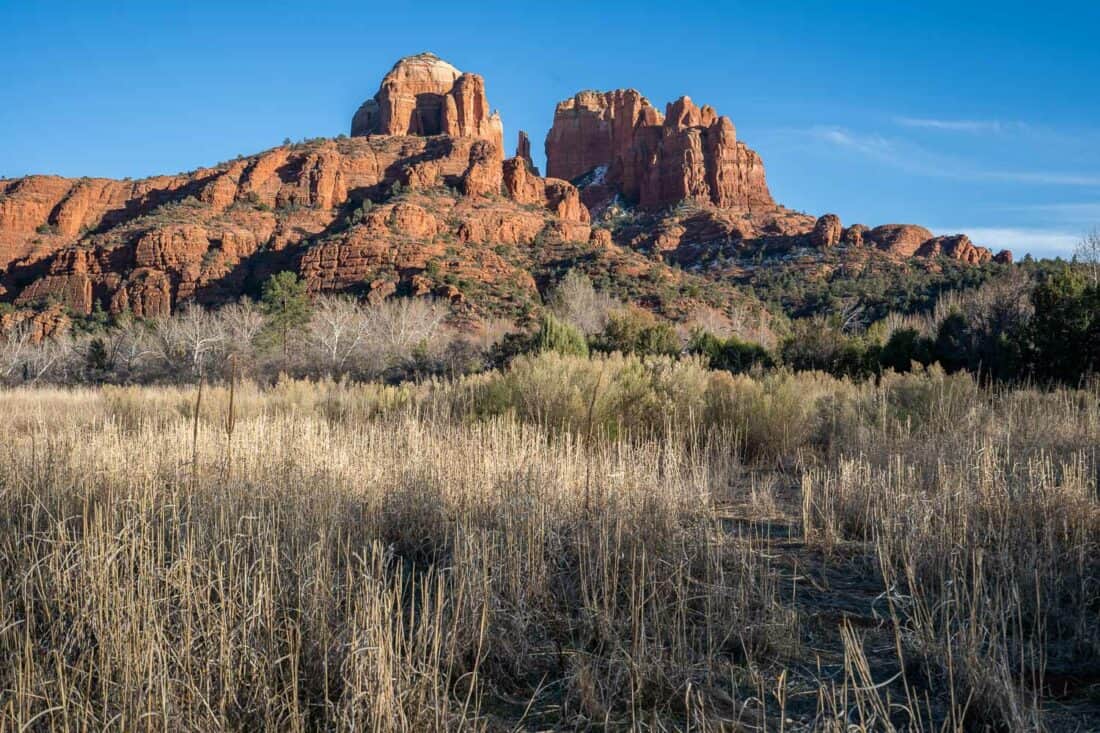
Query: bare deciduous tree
point(739, 321)
point(577, 302)
point(242, 324)
point(14, 349)
point(131, 349)
point(1087, 252)
point(400, 329)
point(335, 334)
point(189, 342)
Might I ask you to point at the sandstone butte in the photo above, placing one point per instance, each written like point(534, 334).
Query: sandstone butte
point(419, 201)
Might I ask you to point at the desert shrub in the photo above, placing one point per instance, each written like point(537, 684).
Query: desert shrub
point(730, 354)
point(633, 331)
point(607, 395)
point(616, 395)
point(774, 417)
point(560, 337)
point(930, 397)
point(821, 344)
point(905, 347)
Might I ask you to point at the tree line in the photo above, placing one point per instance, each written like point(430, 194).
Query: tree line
point(1020, 326)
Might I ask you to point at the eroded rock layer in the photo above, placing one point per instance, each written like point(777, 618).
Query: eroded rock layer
point(623, 143)
point(424, 95)
point(145, 246)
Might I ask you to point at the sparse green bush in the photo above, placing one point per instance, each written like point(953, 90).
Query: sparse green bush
point(820, 344)
point(558, 336)
point(633, 331)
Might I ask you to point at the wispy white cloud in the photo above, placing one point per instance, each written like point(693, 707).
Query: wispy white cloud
point(914, 158)
point(871, 145)
point(969, 126)
point(1077, 212)
point(896, 153)
point(1041, 177)
point(1037, 242)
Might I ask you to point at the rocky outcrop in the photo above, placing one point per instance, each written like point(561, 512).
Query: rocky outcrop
point(826, 232)
point(406, 246)
point(898, 239)
point(39, 214)
point(957, 247)
point(1004, 257)
point(483, 175)
point(622, 142)
point(853, 235)
point(600, 238)
point(909, 240)
point(523, 151)
point(424, 95)
point(522, 184)
point(35, 325)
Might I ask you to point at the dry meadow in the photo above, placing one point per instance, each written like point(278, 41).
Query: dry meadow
point(604, 544)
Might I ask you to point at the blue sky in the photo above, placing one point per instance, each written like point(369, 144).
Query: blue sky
point(976, 117)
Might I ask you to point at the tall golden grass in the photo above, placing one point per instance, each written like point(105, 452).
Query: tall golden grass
point(606, 544)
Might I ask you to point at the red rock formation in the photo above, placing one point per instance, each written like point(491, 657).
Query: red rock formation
point(600, 238)
point(957, 247)
point(36, 325)
point(134, 254)
point(483, 174)
point(1004, 257)
point(620, 140)
point(908, 240)
point(404, 238)
point(328, 208)
point(898, 239)
point(424, 95)
point(853, 235)
point(826, 232)
point(523, 151)
point(560, 197)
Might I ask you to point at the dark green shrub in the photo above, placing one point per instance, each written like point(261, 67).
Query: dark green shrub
point(1063, 340)
point(905, 347)
point(820, 344)
point(730, 354)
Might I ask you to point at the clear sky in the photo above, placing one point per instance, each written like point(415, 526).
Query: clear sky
point(962, 116)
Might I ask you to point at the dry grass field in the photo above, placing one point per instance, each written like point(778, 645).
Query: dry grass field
point(602, 544)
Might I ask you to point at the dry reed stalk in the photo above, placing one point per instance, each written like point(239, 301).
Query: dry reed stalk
point(195, 436)
point(230, 417)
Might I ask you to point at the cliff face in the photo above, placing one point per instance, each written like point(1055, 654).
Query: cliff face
point(630, 148)
point(148, 245)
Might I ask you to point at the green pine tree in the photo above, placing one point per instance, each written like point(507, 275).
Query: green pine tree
point(286, 304)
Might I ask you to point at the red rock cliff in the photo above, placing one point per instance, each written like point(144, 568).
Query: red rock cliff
point(626, 144)
point(424, 95)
